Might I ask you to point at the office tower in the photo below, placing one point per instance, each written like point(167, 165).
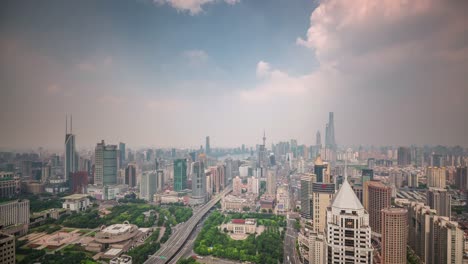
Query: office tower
point(436, 177)
point(306, 195)
point(371, 163)
point(14, 217)
point(253, 185)
point(46, 173)
point(461, 178)
point(229, 169)
point(271, 182)
point(180, 175)
point(440, 200)
point(237, 186)
point(221, 178)
point(379, 198)
point(7, 249)
point(320, 169)
point(404, 156)
point(160, 181)
point(121, 154)
point(348, 234)
point(318, 139)
point(412, 179)
point(70, 164)
point(79, 182)
point(394, 235)
point(198, 183)
point(148, 185)
point(207, 145)
point(330, 132)
point(106, 164)
point(130, 175)
point(322, 195)
point(262, 155)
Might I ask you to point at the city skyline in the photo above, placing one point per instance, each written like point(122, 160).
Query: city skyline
point(163, 79)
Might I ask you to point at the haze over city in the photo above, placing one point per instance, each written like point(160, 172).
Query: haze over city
point(167, 73)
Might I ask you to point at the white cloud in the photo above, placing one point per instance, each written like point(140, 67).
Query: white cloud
point(194, 7)
point(196, 56)
point(263, 69)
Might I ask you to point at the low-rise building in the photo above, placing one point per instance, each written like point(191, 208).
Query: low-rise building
point(233, 203)
point(76, 202)
point(124, 259)
point(242, 226)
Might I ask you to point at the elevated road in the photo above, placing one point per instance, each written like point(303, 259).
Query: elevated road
point(172, 246)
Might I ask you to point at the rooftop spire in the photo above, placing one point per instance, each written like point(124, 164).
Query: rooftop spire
point(66, 124)
point(71, 124)
point(264, 137)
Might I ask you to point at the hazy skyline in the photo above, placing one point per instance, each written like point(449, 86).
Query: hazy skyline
point(170, 72)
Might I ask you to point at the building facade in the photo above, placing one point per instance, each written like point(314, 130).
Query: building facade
point(440, 200)
point(394, 235)
point(198, 183)
point(7, 249)
point(180, 175)
point(348, 234)
point(106, 164)
point(379, 198)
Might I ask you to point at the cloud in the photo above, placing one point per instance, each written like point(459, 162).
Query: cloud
point(196, 57)
point(194, 7)
point(165, 105)
point(112, 100)
point(405, 60)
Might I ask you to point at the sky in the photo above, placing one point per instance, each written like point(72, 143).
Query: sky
point(168, 73)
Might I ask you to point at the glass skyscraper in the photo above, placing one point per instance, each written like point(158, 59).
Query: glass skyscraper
point(180, 175)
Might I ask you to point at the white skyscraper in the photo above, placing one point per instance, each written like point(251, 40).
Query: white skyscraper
point(348, 234)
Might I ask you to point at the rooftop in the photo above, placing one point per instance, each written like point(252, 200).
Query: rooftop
point(346, 198)
point(75, 196)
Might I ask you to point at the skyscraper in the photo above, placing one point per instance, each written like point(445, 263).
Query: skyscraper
point(262, 155)
point(330, 132)
point(198, 183)
point(306, 195)
point(148, 185)
point(207, 145)
point(180, 175)
point(121, 154)
point(404, 156)
point(70, 152)
point(379, 198)
point(322, 195)
point(130, 175)
point(320, 170)
point(106, 161)
point(440, 200)
point(394, 235)
point(461, 178)
point(160, 181)
point(318, 139)
point(271, 183)
point(348, 234)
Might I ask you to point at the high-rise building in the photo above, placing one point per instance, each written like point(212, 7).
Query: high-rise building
point(253, 185)
point(440, 200)
point(330, 132)
point(322, 195)
point(180, 175)
point(271, 183)
point(14, 217)
point(198, 183)
point(160, 181)
point(307, 180)
point(148, 185)
point(435, 239)
point(461, 178)
point(404, 156)
point(412, 180)
point(121, 154)
point(348, 234)
point(207, 145)
point(379, 198)
point(436, 177)
point(318, 139)
point(262, 154)
point(237, 186)
point(130, 175)
point(320, 169)
point(79, 182)
point(394, 235)
point(7, 249)
point(437, 160)
point(106, 164)
point(70, 163)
